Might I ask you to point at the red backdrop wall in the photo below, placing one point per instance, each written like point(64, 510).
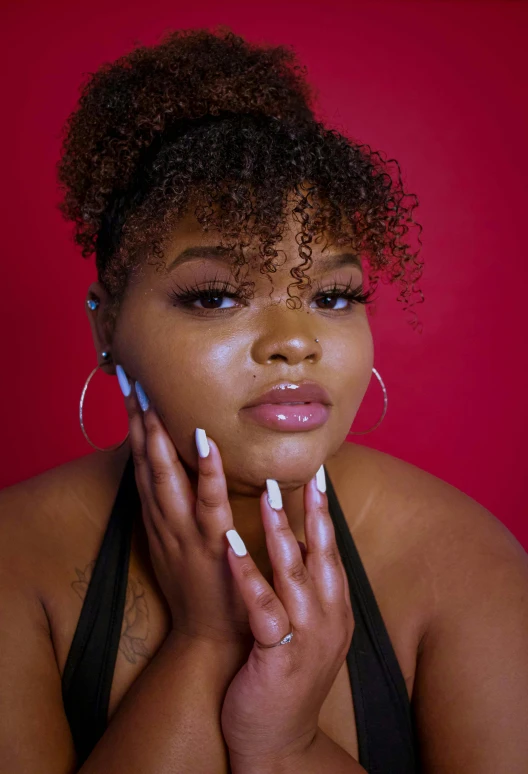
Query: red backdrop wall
point(440, 86)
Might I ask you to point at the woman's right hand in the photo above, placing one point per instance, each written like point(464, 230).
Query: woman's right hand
point(186, 533)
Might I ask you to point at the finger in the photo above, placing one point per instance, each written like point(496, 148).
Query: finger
point(213, 511)
point(323, 559)
point(291, 578)
point(267, 616)
point(162, 481)
point(137, 440)
point(170, 485)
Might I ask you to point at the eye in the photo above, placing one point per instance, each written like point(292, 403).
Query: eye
point(210, 297)
point(211, 300)
point(330, 299)
point(341, 298)
point(221, 296)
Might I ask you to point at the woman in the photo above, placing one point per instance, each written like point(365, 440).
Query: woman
point(235, 587)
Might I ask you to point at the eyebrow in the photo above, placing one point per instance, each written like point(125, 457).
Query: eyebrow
point(227, 255)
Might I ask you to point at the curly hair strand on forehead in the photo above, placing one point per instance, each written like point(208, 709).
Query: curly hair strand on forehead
point(208, 122)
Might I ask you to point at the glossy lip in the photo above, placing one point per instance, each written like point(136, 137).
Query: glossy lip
point(287, 418)
point(290, 392)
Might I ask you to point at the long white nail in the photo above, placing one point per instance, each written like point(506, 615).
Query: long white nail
point(320, 479)
point(274, 494)
point(123, 381)
point(201, 442)
point(236, 542)
point(142, 397)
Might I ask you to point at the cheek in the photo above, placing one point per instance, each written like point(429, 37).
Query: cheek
point(200, 372)
point(206, 359)
point(355, 359)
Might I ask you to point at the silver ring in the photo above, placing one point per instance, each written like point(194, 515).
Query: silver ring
point(285, 640)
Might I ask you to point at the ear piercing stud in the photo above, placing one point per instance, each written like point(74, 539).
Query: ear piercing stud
point(93, 303)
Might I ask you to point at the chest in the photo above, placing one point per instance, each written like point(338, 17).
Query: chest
point(146, 621)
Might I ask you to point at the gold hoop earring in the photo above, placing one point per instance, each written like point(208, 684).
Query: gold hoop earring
point(385, 403)
point(106, 356)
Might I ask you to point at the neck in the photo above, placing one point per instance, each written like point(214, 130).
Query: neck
point(247, 514)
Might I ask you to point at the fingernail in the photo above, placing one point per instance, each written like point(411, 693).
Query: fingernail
point(143, 400)
point(236, 542)
point(320, 479)
point(274, 494)
point(201, 442)
point(123, 381)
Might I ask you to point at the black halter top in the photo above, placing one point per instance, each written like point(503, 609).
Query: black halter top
point(385, 726)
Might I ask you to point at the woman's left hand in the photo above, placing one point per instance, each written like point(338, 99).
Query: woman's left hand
point(272, 706)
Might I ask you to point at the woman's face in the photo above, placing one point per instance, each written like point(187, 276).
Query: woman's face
point(202, 360)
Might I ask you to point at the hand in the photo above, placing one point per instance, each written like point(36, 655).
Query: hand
point(272, 707)
point(186, 532)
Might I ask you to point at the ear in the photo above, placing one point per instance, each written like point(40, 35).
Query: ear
point(99, 323)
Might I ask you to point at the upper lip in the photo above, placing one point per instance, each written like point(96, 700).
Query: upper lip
point(291, 392)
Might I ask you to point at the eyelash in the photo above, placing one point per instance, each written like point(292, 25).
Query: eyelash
point(211, 290)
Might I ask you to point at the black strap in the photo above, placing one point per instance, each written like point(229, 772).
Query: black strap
point(89, 669)
point(385, 730)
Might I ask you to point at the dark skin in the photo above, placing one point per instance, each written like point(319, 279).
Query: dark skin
point(239, 354)
point(449, 579)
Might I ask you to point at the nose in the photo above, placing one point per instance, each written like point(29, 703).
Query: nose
point(286, 335)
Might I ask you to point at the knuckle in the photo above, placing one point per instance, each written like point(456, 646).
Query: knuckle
point(207, 472)
point(151, 421)
point(160, 474)
point(283, 529)
point(248, 571)
point(211, 495)
point(138, 456)
point(134, 410)
point(210, 501)
point(267, 602)
point(321, 509)
point(298, 574)
point(331, 555)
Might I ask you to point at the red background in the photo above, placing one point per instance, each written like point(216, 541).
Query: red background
point(440, 86)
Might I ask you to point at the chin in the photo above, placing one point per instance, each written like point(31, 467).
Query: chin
point(292, 459)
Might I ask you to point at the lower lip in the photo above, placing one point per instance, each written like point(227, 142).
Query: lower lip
point(291, 419)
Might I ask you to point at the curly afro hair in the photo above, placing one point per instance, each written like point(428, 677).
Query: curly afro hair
point(209, 120)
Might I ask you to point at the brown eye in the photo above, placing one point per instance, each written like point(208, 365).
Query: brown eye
point(213, 301)
point(210, 298)
point(330, 299)
point(342, 298)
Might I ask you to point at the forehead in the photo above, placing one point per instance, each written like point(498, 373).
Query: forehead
point(189, 241)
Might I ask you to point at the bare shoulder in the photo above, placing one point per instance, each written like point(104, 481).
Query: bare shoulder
point(405, 514)
point(451, 582)
point(52, 511)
